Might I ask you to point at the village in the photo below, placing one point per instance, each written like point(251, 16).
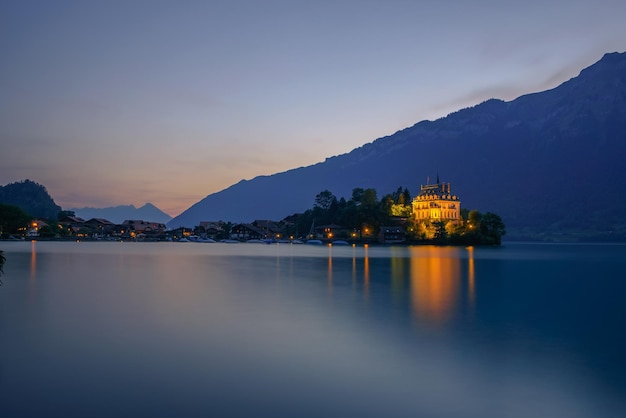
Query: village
point(433, 216)
point(76, 228)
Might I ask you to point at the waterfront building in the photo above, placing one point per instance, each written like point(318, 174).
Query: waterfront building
point(436, 203)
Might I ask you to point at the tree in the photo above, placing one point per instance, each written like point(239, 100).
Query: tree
point(387, 204)
point(407, 196)
point(441, 235)
point(357, 195)
point(51, 231)
point(492, 228)
point(12, 219)
point(369, 198)
point(325, 207)
point(324, 200)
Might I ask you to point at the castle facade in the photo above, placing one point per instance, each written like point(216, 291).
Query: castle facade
point(435, 202)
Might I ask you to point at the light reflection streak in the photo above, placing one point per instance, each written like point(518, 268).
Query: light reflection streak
point(366, 273)
point(330, 270)
point(33, 269)
point(435, 282)
point(33, 259)
point(398, 272)
point(353, 268)
point(471, 279)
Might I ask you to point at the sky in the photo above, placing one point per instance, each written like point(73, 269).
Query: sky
point(112, 102)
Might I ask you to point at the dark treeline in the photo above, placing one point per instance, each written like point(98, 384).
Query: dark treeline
point(13, 220)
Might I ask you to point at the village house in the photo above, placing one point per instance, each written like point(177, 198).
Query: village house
point(391, 235)
point(138, 229)
point(209, 228)
point(34, 227)
point(72, 224)
point(270, 229)
point(246, 232)
point(100, 227)
point(330, 232)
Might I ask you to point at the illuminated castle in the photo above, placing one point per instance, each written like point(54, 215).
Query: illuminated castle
point(435, 202)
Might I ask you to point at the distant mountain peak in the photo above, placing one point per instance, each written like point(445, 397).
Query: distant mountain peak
point(118, 214)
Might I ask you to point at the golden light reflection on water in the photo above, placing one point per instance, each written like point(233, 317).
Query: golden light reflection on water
point(33, 260)
point(398, 273)
point(471, 279)
point(32, 288)
point(366, 273)
point(435, 275)
point(330, 270)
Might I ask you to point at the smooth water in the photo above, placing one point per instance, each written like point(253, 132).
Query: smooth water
point(253, 330)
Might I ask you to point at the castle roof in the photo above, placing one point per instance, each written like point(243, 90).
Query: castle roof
point(439, 191)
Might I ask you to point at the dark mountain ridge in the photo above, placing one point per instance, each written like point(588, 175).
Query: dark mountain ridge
point(31, 197)
point(549, 163)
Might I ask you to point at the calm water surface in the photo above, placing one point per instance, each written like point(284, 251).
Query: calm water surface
point(254, 330)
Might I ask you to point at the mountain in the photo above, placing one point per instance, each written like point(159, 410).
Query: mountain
point(549, 163)
point(31, 197)
point(118, 214)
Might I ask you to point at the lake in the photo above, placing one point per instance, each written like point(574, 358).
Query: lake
point(103, 329)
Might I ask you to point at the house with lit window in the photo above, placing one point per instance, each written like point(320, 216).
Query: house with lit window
point(34, 227)
point(391, 234)
point(140, 229)
point(434, 203)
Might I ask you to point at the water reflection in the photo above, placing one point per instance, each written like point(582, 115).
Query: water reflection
point(399, 267)
point(32, 288)
point(33, 259)
point(435, 282)
point(471, 279)
point(366, 273)
point(330, 270)
point(210, 333)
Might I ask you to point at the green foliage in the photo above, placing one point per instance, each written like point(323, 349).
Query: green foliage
point(441, 235)
point(12, 220)
point(52, 231)
point(492, 228)
point(365, 212)
point(479, 229)
point(362, 211)
point(324, 200)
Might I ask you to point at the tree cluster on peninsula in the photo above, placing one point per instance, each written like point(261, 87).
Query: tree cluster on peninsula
point(365, 212)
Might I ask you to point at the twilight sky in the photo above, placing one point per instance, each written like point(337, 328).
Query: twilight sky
point(126, 102)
